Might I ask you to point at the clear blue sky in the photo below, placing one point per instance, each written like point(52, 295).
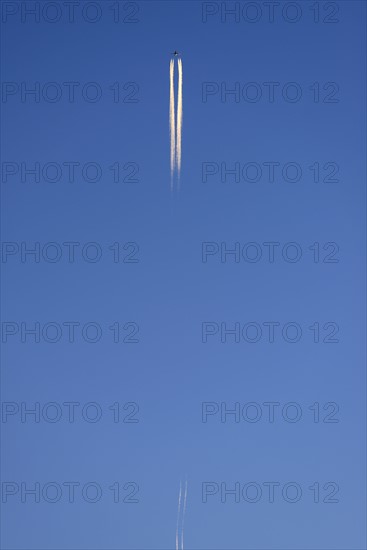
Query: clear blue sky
point(170, 291)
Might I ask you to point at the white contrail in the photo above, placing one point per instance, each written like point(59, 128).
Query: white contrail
point(178, 515)
point(179, 120)
point(183, 517)
point(172, 116)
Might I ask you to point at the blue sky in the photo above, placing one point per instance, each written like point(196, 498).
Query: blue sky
point(163, 298)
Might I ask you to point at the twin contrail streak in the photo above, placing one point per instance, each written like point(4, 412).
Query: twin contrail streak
point(175, 120)
point(179, 119)
point(172, 117)
point(178, 529)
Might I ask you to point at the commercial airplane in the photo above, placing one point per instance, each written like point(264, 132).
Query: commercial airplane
point(175, 53)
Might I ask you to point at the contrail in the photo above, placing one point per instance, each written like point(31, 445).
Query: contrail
point(175, 120)
point(178, 515)
point(183, 517)
point(172, 116)
point(179, 119)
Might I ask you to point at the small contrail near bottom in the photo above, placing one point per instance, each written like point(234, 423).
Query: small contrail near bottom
point(183, 517)
point(182, 528)
point(178, 515)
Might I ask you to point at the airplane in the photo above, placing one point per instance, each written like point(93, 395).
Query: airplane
point(175, 53)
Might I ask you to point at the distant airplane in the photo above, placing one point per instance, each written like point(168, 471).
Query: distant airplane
point(175, 53)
